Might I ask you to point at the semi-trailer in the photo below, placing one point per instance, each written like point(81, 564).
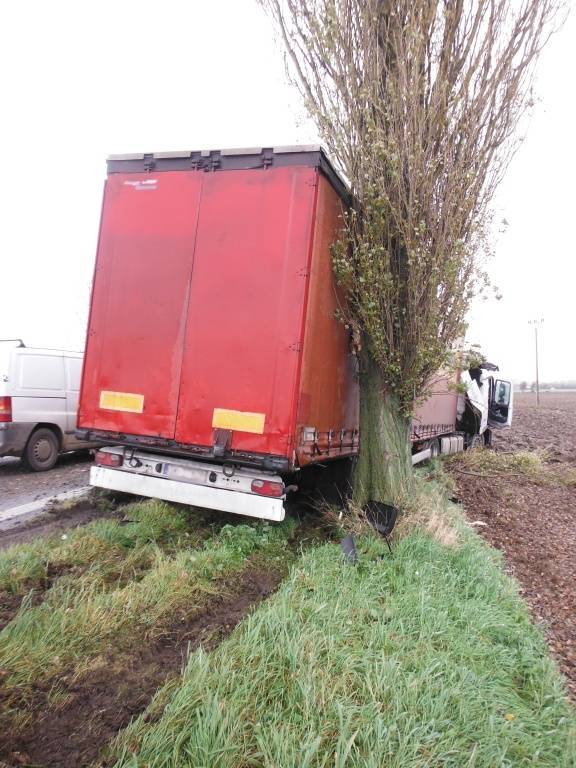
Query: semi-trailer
point(216, 368)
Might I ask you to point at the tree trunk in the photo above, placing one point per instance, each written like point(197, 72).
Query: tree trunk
point(384, 465)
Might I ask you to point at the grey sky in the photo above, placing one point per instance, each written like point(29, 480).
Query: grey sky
point(83, 80)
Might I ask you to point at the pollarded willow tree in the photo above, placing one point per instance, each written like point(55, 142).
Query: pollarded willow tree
point(418, 103)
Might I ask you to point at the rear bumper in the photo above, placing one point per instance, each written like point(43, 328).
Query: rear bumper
point(268, 462)
point(13, 438)
point(180, 492)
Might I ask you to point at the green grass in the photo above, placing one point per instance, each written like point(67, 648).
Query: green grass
point(427, 659)
point(82, 617)
point(107, 548)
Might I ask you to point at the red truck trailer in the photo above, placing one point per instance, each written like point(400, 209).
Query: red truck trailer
point(215, 366)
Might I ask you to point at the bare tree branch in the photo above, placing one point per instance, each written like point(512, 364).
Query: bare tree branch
point(418, 103)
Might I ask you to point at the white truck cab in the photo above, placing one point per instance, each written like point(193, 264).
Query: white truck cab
point(39, 391)
point(488, 402)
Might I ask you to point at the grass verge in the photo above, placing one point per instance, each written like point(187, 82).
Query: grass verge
point(108, 548)
point(81, 617)
point(426, 659)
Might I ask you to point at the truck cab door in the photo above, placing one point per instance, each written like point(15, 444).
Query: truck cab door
point(500, 404)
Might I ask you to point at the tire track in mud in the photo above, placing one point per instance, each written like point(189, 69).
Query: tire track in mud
point(94, 706)
point(12, 602)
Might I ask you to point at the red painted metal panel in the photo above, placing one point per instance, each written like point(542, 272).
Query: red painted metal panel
point(248, 292)
point(139, 300)
point(329, 388)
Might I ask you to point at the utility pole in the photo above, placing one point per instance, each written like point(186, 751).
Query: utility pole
point(536, 323)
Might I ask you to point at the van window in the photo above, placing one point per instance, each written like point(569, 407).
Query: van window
point(74, 369)
point(41, 372)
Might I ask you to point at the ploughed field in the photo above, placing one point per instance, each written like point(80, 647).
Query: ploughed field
point(525, 502)
point(149, 634)
point(550, 426)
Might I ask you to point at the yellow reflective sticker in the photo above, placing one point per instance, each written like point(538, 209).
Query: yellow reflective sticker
point(241, 421)
point(122, 401)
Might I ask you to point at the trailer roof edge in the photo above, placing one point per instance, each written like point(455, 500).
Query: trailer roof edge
point(248, 158)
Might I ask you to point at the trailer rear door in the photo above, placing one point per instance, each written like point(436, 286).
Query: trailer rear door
point(245, 316)
point(140, 295)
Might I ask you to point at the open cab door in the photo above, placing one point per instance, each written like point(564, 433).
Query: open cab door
point(500, 403)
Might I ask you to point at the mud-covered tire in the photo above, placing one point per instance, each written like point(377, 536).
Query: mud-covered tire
point(434, 446)
point(42, 450)
point(476, 441)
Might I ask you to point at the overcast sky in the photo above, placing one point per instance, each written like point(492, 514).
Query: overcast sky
point(81, 80)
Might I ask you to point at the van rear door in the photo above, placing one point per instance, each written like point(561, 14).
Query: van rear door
point(38, 387)
point(5, 367)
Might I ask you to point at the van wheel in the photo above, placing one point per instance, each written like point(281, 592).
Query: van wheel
point(42, 450)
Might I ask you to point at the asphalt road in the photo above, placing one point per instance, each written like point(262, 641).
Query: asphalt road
point(20, 486)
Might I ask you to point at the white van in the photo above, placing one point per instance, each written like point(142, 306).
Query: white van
point(39, 391)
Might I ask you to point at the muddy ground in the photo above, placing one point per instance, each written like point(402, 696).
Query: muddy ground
point(97, 704)
point(534, 522)
point(19, 486)
point(56, 520)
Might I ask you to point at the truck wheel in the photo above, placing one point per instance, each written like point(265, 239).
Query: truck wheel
point(434, 446)
point(42, 450)
point(476, 441)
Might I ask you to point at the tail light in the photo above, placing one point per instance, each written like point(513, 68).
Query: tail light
point(105, 459)
point(267, 488)
point(5, 409)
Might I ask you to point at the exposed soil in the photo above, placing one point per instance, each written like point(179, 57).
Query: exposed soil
point(10, 603)
point(534, 523)
point(56, 520)
point(9, 607)
point(95, 706)
point(550, 426)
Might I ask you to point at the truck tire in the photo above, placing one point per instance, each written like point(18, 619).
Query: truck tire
point(329, 483)
point(42, 450)
point(476, 441)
